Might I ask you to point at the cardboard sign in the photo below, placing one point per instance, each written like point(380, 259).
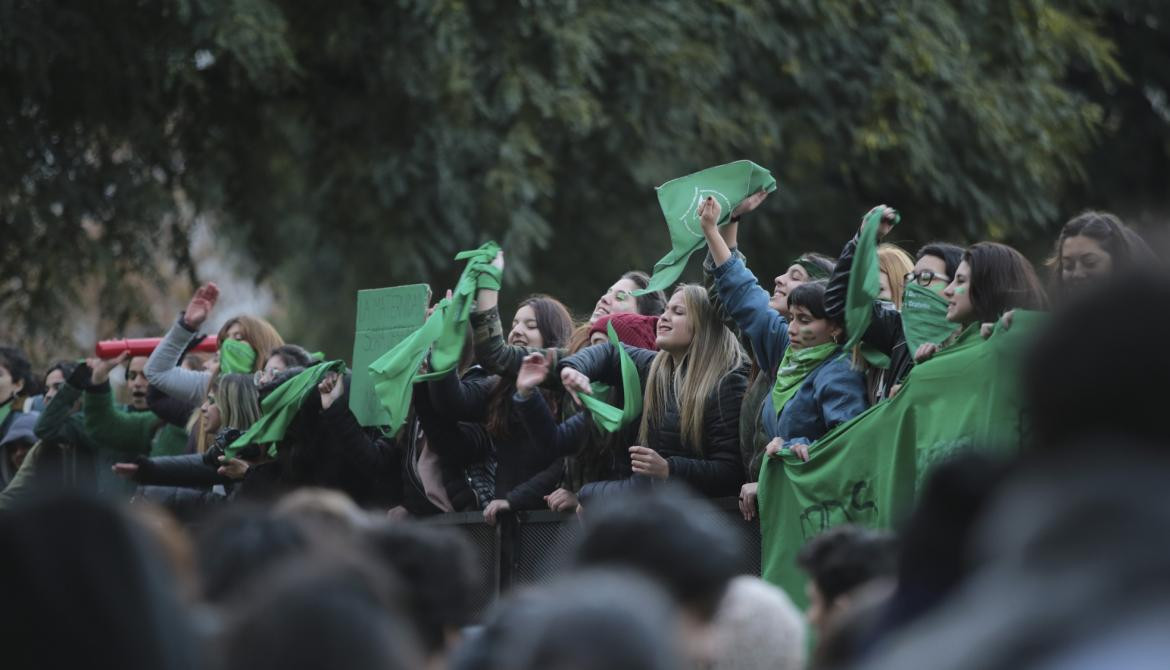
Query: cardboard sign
point(385, 316)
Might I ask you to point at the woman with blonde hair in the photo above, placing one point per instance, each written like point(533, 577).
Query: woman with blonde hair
point(692, 391)
point(893, 264)
point(244, 342)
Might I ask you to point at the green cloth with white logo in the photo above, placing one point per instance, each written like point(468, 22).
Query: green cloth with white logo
point(868, 470)
point(607, 417)
point(924, 317)
point(679, 199)
point(442, 336)
point(794, 367)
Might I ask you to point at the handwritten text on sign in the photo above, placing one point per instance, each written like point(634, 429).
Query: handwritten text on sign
point(385, 317)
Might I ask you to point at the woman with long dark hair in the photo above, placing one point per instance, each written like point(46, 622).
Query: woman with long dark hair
point(540, 323)
point(992, 280)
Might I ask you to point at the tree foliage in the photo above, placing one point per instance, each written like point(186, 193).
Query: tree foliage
point(359, 144)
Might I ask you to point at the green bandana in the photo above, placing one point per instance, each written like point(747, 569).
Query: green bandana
point(814, 271)
point(680, 198)
point(864, 287)
point(794, 367)
point(441, 335)
point(279, 407)
point(5, 410)
point(236, 356)
point(607, 417)
point(924, 317)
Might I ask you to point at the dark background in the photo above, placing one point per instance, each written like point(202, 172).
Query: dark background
point(334, 146)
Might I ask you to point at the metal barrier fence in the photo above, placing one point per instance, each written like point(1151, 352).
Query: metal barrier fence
point(529, 547)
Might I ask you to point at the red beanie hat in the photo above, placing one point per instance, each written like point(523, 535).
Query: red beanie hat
point(635, 330)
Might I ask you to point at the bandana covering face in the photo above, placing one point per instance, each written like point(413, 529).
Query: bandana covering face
point(794, 367)
point(924, 317)
point(236, 356)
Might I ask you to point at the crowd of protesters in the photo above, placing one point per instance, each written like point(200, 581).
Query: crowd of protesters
point(308, 552)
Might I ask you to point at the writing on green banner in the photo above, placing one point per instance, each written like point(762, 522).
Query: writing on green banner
point(385, 317)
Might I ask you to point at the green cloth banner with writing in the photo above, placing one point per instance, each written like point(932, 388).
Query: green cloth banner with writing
point(441, 336)
point(868, 470)
point(385, 317)
point(679, 199)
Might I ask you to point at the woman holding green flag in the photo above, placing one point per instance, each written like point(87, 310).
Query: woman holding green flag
point(991, 280)
point(813, 385)
point(541, 322)
point(898, 331)
point(692, 391)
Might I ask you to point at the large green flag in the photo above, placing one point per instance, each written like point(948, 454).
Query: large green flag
point(441, 336)
point(865, 287)
point(679, 198)
point(867, 471)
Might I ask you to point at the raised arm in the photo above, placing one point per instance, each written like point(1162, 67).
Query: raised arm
point(108, 426)
point(885, 329)
point(162, 369)
point(463, 399)
point(563, 438)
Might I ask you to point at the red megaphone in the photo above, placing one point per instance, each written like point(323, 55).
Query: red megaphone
point(143, 346)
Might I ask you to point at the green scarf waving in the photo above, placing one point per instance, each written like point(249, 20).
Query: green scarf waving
point(794, 367)
point(442, 336)
point(280, 406)
point(865, 286)
point(679, 199)
point(607, 417)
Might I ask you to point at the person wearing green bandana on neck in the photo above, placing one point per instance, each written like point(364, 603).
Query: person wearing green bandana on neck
point(813, 387)
point(896, 333)
point(809, 266)
point(991, 280)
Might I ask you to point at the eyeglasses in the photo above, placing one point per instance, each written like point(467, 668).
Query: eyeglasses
point(924, 278)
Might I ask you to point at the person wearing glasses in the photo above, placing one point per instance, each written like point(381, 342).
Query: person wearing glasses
point(921, 302)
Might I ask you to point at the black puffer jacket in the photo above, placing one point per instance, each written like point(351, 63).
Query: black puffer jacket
point(714, 468)
point(518, 458)
point(885, 329)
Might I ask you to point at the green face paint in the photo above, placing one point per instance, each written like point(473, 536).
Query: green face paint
point(962, 290)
